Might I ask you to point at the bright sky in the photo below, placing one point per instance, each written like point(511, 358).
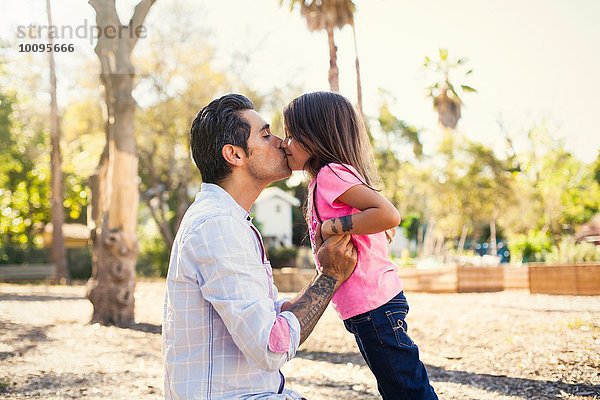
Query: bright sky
point(533, 61)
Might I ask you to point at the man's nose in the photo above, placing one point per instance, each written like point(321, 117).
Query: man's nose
point(279, 142)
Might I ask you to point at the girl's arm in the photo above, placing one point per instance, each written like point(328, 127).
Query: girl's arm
point(377, 214)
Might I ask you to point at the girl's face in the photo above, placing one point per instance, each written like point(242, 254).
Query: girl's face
point(296, 154)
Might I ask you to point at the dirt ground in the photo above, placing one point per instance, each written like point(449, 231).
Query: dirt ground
point(506, 345)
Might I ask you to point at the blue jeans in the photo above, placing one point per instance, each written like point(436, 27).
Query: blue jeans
point(390, 353)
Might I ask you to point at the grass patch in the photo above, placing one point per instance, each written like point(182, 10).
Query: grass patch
point(5, 384)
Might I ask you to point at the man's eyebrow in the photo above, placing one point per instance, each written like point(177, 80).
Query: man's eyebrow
point(267, 126)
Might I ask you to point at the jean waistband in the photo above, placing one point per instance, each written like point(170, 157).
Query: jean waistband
point(366, 314)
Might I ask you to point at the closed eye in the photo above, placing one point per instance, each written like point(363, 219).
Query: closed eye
point(266, 130)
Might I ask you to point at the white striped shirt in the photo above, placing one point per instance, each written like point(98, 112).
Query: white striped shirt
point(220, 306)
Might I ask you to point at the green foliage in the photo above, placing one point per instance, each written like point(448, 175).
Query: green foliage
point(153, 259)
point(410, 225)
point(24, 178)
point(321, 14)
point(83, 136)
point(446, 95)
point(534, 246)
point(442, 67)
point(568, 193)
point(79, 261)
point(404, 261)
point(11, 253)
point(25, 181)
point(282, 256)
point(5, 384)
point(596, 168)
point(569, 251)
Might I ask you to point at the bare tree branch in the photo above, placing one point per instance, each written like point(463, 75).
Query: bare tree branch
point(162, 224)
point(106, 13)
point(137, 20)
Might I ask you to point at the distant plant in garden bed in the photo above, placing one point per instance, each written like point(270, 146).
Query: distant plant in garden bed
point(570, 251)
point(532, 247)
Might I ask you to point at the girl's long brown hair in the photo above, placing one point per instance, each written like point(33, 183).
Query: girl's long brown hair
point(331, 131)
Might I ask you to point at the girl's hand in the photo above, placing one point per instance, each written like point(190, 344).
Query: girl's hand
point(327, 229)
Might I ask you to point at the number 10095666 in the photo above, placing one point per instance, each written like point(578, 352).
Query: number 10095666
point(45, 47)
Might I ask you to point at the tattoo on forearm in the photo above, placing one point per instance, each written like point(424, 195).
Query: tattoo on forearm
point(333, 227)
point(311, 306)
point(346, 223)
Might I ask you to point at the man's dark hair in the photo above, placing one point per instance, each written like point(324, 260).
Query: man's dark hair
point(218, 124)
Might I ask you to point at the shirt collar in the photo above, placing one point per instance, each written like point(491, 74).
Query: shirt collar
point(225, 198)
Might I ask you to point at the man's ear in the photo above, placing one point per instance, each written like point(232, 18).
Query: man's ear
point(234, 155)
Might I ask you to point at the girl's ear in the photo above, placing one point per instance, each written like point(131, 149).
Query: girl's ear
point(234, 155)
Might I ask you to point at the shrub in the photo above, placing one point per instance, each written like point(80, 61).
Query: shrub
point(531, 247)
point(153, 259)
point(283, 256)
point(569, 251)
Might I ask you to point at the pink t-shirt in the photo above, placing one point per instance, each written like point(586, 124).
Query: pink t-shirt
point(374, 282)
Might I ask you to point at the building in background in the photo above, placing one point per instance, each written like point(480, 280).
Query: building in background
point(273, 216)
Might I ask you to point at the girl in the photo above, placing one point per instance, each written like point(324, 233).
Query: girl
point(325, 138)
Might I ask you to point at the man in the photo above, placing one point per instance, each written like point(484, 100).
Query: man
point(225, 335)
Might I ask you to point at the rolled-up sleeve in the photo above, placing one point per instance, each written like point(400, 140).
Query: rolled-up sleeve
point(294, 332)
point(232, 278)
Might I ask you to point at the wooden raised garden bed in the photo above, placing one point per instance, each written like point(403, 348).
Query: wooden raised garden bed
point(433, 280)
point(568, 279)
point(465, 279)
point(292, 279)
point(480, 279)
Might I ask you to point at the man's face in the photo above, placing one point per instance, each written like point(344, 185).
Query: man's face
point(266, 160)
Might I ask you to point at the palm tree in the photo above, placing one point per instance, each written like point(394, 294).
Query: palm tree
point(447, 103)
point(58, 215)
point(445, 95)
point(357, 68)
point(327, 15)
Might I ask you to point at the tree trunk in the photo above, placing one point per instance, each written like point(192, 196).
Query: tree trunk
point(448, 109)
point(428, 239)
point(333, 68)
point(58, 215)
point(358, 80)
point(115, 196)
point(493, 245)
point(438, 244)
point(474, 240)
point(420, 241)
point(463, 238)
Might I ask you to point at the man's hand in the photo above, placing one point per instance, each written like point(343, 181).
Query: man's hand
point(337, 256)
